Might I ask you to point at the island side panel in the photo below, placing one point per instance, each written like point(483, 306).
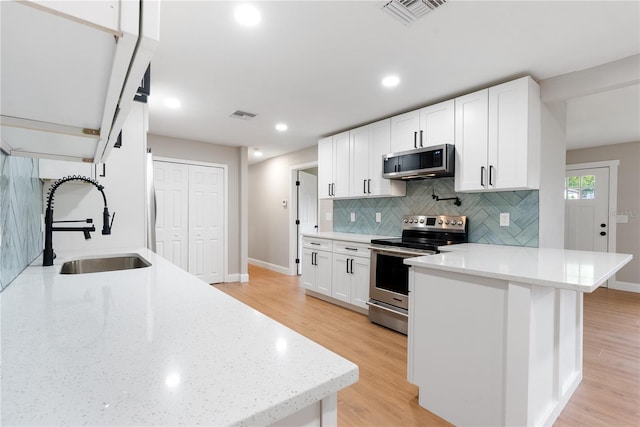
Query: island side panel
point(457, 340)
point(488, 351)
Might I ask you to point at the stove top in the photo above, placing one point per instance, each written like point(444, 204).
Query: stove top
point(428, 232)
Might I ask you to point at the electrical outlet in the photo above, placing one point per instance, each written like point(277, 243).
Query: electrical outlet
point(504, 219)
point(353, 217)
point(378, 217)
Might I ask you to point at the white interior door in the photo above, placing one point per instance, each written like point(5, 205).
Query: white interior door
point(206, 216)
point(172, 198)
point(587, 209)
point(307, 208)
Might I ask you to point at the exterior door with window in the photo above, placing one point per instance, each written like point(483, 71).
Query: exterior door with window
point(587, 209)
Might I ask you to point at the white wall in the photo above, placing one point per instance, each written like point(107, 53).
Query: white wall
point(124, 187)
point(164, 146)
point(269, 227)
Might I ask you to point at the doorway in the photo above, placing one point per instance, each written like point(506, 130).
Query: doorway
point(190, 224)
point(304, 210)
point(590, 198)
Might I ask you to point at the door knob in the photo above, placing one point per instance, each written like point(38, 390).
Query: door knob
point(603, 233)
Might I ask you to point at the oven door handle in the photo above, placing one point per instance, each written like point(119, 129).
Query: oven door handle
point(373, 304)
point(393, 252)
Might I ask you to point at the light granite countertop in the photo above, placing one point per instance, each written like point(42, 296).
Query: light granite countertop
point(151, 346)
point(560, 268)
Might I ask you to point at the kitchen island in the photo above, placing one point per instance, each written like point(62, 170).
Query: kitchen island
point(155, 346)
point(495, 332)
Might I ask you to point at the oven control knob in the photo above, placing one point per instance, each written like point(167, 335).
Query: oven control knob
point(421, 220)
point(446, 222)
point(459, 222)
point(439, 221)
point(406, 221)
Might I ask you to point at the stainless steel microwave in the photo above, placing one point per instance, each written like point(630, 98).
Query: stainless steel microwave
point(430, 162)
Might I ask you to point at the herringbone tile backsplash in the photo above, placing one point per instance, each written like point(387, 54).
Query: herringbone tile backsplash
point(482, 210)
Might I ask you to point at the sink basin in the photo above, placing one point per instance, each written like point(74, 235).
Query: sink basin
point(105, 263)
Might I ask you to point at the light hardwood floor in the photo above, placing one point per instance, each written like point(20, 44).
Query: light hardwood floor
point(609, 394)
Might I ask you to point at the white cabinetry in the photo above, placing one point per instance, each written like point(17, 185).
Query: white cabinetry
point(316, 265)
point(367, 146)
point(497, 138)
point(351, 273)
point(333, 166)
point(69, 72)
point(429, 126)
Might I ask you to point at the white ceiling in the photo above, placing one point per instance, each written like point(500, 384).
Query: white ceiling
point(317, 65)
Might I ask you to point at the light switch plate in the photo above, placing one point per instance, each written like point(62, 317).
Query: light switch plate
point(353, 217)
point(504, 219)
point(284, 203)
point(378, 217)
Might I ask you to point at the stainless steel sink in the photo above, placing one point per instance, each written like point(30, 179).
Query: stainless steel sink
point(105, 263)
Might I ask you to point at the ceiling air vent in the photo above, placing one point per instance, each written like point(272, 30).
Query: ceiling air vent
point(408, 11)
point(242, 115)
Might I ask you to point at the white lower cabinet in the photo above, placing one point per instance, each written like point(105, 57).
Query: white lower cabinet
point(337, 269)
point(316, 265)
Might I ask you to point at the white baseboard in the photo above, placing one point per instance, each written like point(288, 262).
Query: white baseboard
point(624, 286)
point(236, 277)
point(244, 278)
point(269, 266)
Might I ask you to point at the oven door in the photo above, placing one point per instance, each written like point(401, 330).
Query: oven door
point(389, 280)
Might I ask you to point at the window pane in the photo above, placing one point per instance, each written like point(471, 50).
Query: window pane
point(588, 181)
point(573, 194)
point(574, 181)
point(588, 193)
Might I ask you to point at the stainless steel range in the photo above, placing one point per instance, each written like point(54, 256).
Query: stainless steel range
point(389, 282)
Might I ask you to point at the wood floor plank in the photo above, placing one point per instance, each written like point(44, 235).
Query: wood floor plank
point(609, 394)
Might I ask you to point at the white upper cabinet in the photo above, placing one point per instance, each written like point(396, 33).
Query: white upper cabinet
point(367, 146)
point(497, 138)
point(437, 124)
point(405, 130)
point(69, 72)
point(333, 166)
point(429, 126)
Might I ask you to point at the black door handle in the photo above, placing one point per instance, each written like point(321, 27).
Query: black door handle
point(603, 233)
point(415, 140)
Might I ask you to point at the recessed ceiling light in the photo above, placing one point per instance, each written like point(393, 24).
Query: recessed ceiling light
point(247, 15)
point(391, 81)
point(281, 127)
point(257, 152)
point(172, 103)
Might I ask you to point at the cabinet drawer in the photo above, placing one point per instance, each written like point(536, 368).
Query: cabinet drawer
point(315, 243)
point(350, 248)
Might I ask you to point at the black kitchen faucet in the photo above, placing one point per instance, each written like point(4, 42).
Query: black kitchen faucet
point(48, 254)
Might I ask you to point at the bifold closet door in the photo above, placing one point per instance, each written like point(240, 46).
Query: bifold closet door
point(172, 216)
point(206, 191)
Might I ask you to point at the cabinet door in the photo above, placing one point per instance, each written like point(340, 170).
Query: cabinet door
point(341, 277)
point(360, 159)
point(360, 282)
point(308, 269)
point(341, 164)
point(323, 272)
point(437, 123)
point(404, 131)
point(508, 135)
point(325, 167)
point(471, 139)
point(380, 143)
